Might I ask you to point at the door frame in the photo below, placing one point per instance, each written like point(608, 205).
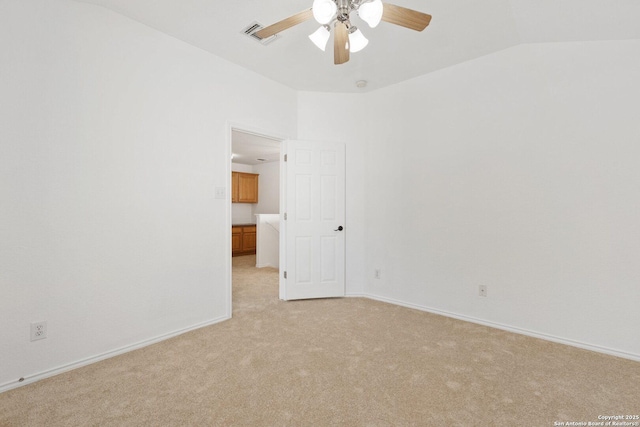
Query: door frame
point(267, 133)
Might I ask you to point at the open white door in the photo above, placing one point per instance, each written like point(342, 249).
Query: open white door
point(314, 235)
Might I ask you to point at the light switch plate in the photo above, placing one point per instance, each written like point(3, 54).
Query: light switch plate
point(221, 192)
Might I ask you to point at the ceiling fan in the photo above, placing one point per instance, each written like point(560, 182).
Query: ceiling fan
point(347, 37)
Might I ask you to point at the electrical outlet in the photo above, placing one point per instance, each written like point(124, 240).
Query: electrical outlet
point(482, 290)
point(377, 273)
point(38, 331)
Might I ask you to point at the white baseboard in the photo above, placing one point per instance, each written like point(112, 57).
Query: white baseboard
point(266, 264)
point(93, 359)
point(508, 328)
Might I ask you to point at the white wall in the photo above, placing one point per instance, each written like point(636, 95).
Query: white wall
point(268, 188)
point(350, 126)
point(518, 171)
point(239, 167)
point(113, 137)
point(268, 240)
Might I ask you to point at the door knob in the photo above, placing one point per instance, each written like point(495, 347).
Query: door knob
point(339, 228)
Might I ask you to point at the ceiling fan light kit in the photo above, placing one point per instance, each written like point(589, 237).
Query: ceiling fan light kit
point(320, 37)
point(371, 12)
point(324, 11)
point(357, 41)
point(347, 37)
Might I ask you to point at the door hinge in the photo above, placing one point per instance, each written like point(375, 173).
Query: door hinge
point(285, 274)
point(285, 157)
point(285, 216)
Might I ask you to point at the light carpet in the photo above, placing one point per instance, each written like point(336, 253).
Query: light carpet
point(332, 362)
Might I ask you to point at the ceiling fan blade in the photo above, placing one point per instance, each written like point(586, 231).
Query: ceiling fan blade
point(340, 43)
point(404, 17)
point(289, 22)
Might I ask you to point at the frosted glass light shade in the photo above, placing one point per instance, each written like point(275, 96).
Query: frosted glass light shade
point(320, 37)
point(357, 41)
point(371, 13)
point(323, 10)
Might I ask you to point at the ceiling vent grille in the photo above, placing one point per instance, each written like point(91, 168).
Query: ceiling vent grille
point(251, 29)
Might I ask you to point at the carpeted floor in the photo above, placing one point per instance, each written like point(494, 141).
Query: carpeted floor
point(335, 362)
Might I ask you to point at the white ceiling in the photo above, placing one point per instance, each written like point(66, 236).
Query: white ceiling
point(252, 149)
point(460, 30)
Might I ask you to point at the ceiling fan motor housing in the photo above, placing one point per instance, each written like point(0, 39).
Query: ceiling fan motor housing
point(344, 8)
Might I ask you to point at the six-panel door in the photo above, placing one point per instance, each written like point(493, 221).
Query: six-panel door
point(315, 207)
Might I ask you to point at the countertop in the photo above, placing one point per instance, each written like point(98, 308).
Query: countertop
point(243, 225)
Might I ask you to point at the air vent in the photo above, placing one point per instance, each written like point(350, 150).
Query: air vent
point(251, 29)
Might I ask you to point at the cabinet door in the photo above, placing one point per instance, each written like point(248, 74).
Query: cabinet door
point(236, 240)
point(234, 187)
point(247, 188)
point(249, 239)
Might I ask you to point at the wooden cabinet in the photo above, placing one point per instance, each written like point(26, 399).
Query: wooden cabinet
point(244, 187)
point(243, 240)
point(249, 239)
point(236, 240)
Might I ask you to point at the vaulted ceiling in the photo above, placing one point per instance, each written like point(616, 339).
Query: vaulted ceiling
point(459, 31)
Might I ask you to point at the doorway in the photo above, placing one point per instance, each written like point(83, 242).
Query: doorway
point(255, 209)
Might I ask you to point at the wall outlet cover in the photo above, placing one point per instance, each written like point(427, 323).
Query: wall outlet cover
point(38, 331)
